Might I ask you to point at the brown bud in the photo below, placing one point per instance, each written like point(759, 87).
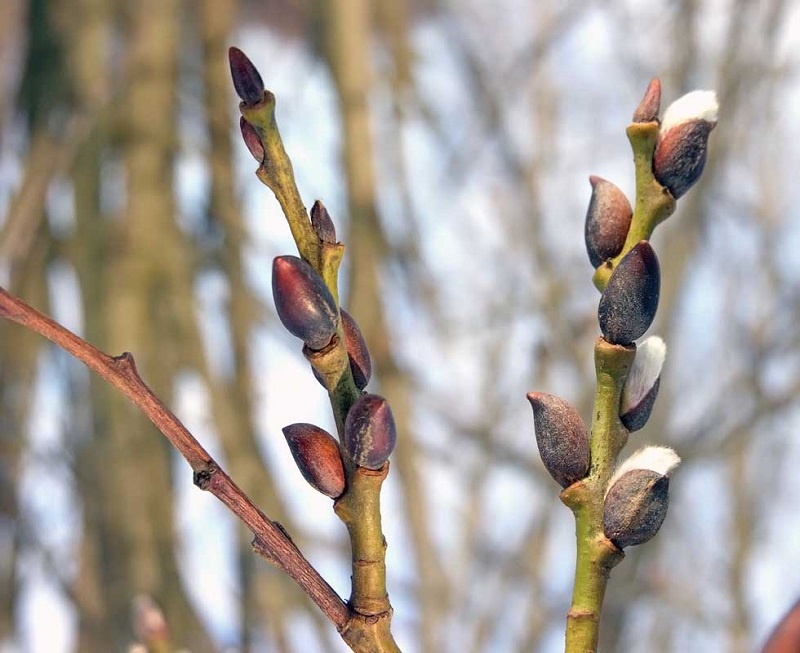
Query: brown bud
point(607, 221)
point(629, 302)
point(370, 433)
point(317, 456)
point(785, 638)
point(322, 223)
point(680, 156)
point(149, 624)
point(650, 106)
point(561, 437)
point(635, 507)
point(246, 78)
point(305, 305)
point(357, 351)
point(252, 140)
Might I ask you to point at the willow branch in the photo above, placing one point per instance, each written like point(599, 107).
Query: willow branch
point(271, 542)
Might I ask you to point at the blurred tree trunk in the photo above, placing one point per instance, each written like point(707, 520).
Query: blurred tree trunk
point(131, 546)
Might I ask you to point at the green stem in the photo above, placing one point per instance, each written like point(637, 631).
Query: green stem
point(653, 204)
point(368, 629)
point(276, 172)
point(596, 555)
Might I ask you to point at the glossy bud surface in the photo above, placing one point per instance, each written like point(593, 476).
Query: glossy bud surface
point(370, 433)
point(304, 304)
point(316, 453)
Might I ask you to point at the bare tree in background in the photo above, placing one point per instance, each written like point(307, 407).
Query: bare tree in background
point(466, 136)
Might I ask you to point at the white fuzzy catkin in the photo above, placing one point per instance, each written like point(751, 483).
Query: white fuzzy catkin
point(697, 105)
point(645, 370)
point(661, 460)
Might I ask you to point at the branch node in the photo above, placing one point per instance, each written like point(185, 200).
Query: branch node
point(204, 476)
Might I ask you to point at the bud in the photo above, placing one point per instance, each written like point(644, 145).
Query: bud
point(252, 140)
point(246, 79)
point(304, 303)
point(561, 438)
point(322, 223)
point(638, 496)
point(641, 387)
point(316, 453)
point(370, 433)
point(629, 302)
point(149, 624)
point(607, 221)
point(785, 638)
point(648, 108)
point(357, 351)
point(680, 154)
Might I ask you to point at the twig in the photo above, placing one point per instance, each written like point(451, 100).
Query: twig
point(120, 371)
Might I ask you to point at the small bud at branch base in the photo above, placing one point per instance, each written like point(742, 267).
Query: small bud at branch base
point(252, 140)
point(322, 223)
point(648, 108)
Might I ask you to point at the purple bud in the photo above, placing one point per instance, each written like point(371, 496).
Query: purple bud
point(305, 305)
point(360, 363)
point(629, 302)
point(322, 223)
point(635, 507)
point(561, 437)
point(650, 106)
point(317, 456)
point(680, 154)
point(370, 433)
point(252, 140)
point(607, 221)
point(246, 79)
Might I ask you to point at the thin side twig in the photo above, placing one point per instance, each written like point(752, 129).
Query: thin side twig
point(271, 541)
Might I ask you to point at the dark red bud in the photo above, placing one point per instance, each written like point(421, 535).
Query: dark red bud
point(252, 140)
point(681, 156)
point(561, 438)
point(305, 305)
point(650, 106)
point(246, 79)
point(607, 221)
point(357, 351)
point(786, 636)
point(636, 416)
point(370, 433)
point(629, 302)
point(322, 223)
point(316, 453)
point(635, 507)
